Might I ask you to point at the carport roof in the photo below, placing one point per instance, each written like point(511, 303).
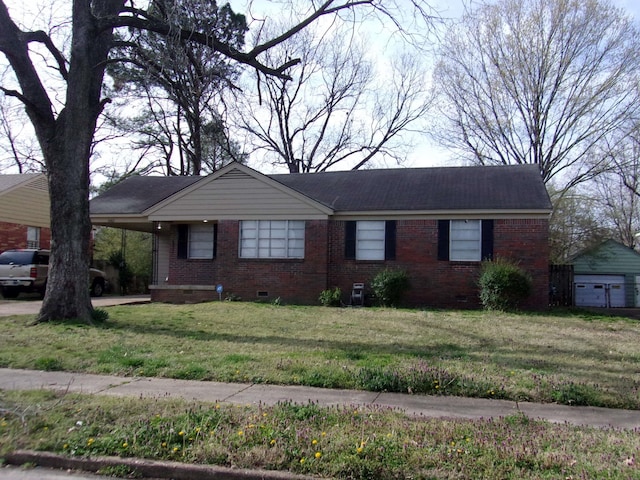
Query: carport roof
point(138, 193)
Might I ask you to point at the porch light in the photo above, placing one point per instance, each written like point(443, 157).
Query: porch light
point(159, 226)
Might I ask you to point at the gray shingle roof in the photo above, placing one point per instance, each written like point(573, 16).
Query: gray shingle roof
point(440, 188)
point(517, 187)
point(11, 180)
point(138, 193)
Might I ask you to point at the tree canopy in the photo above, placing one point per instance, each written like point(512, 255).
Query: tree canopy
point(545, 82)
point(65, 122)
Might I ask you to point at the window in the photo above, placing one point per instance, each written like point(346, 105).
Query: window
point(370, 240)
point(197, 241)
point(272, 238)
point(33, 237)
point(201, 241)
point(465, 240)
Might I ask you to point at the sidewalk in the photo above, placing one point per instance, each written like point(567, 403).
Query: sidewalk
point(419, 405)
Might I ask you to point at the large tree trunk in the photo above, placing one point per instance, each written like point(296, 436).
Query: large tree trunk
point(67, 158)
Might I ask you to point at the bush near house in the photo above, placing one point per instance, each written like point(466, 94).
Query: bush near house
point(332, 297)
point(389, 286)
point(503, 285)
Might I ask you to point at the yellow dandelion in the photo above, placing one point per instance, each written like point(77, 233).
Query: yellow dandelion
point(359, 449)
point(251, 425)
point(181, 433)
point(453, 444)
point(90, 441)
point(217, 406)
point(264, 414)
point(175, 449)
point(198, 429)
point(318, 454)
point(273, 441)
point(164, 444)
point(323, 434)
point(65, 446)
point(125, 445)
point(302, 460)
point(240, 433)
point(314, 442)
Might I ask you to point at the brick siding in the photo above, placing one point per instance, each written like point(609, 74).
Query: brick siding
point(434, 283)
point(13, 235)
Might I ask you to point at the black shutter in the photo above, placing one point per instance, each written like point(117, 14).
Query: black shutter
point(443, 239)
point(215, 239)
point(390, 240)
point(350, 240)
point(487, 240)
point(183, 240)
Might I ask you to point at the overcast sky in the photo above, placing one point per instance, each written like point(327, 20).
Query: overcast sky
point(425, 153)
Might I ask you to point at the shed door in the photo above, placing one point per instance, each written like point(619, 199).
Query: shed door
point(599, 291)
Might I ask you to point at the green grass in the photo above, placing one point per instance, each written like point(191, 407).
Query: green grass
point(570, 357)
point(566, 357)
point(338, 442)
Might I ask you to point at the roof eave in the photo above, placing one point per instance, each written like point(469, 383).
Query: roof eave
point(447, 214)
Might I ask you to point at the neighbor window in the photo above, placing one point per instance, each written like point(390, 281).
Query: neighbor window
point(197, 241)
point(465, 240)
point(370, 239)
point(33, 237)
point(272, 238)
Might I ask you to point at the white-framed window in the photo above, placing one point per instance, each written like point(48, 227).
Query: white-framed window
point(33, 237)
point(201, 241)
point(465, 240)
point(370, 236)
point(272, 238)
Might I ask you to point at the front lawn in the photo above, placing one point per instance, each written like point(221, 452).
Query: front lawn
point(571, 358)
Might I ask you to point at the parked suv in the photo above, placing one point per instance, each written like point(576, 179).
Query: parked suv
point(26, 270)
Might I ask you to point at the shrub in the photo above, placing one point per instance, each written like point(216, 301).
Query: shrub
point(331, 297)
point(503, 285)
point(389, 286)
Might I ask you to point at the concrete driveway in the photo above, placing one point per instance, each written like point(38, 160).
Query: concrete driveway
point(32, 306)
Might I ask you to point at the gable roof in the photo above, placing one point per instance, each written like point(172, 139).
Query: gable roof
point(514, 187)
point(439, 189)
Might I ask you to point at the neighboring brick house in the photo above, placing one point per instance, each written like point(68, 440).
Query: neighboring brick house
point(24, 211)
point(293, 235)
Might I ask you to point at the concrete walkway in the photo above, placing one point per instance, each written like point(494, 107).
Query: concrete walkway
point(31, 306)
point(241, 393)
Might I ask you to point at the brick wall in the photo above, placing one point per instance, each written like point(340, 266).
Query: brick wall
point(434, 283)
point(292, 280)
point(445, 284)
point(13, 235)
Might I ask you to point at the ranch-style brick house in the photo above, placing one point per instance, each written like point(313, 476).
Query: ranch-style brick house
point(24, 211)
point(291, 236)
